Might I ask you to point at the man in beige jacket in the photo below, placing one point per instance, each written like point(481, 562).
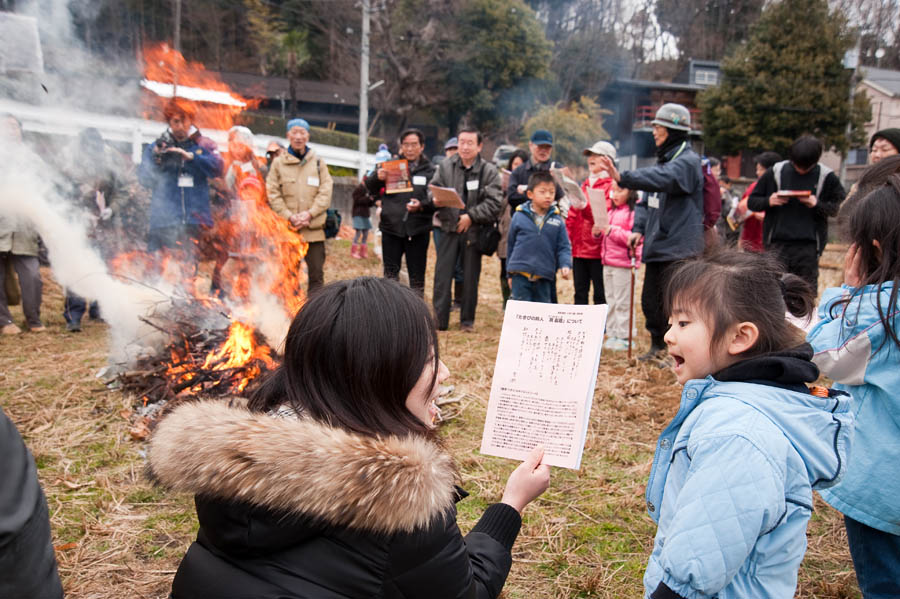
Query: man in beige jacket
point(18, 251)
point(299, 189)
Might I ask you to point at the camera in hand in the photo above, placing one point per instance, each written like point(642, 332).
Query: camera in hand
point(163, 158)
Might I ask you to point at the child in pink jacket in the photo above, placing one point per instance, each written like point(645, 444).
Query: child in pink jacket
point(617, 265)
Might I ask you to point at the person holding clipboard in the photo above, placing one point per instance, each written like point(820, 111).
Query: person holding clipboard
point(477, 183)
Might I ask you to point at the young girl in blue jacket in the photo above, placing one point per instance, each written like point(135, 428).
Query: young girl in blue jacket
point(732, 478)
point(857, 343)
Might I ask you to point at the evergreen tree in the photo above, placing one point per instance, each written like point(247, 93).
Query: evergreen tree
point(786, 80)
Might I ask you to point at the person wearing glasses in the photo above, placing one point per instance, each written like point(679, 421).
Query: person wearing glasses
point(406, 217)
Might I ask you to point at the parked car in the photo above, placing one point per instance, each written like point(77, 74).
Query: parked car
point(502, 154)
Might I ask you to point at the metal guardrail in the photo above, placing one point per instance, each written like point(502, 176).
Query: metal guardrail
point(55, 120)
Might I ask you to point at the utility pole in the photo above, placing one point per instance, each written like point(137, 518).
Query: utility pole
point(851, 61)
point(364, 90)
point(176, 38)
point(176, 42)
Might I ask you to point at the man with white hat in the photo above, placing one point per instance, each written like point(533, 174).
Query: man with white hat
point(670, 216)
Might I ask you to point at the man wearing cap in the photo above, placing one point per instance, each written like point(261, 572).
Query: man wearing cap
point(178, 167)
point(884, 143)
point(587, 249)
point(670, 217)
point(540, 147)
point(299, 190)
point(450, 147)
point(477, 182)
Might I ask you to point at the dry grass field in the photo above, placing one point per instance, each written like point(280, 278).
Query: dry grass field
point(588, 536)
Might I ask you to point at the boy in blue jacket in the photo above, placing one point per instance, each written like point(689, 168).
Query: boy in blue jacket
point(538, 244)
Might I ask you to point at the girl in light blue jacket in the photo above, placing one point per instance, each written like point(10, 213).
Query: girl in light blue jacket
point(857, 343)
point(732, 479)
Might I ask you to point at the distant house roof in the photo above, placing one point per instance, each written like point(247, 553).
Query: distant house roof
point(321, 92)
point(642, 83)
point(884, 80)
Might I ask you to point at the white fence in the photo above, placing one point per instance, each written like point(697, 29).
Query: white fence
point(137, 132)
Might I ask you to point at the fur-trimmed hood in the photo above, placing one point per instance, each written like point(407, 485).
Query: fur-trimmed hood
point(303, 468)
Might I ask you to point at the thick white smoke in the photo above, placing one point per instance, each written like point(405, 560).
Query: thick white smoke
point(28, 193)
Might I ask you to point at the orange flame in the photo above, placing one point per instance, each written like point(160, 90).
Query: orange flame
point(238, 351)
point(167, 66)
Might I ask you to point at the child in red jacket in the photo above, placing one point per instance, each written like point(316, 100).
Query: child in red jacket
point(587, 250)
point(617, 265)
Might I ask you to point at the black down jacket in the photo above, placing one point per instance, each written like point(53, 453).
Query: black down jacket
point(290, 508)
point(27, 562)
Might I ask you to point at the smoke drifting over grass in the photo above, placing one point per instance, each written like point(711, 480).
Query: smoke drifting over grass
point(29, 196)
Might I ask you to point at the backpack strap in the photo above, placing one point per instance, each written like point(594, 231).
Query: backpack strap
point(776, 170)
point(824, 171)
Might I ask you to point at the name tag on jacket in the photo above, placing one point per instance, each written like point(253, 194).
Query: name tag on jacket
point(472, 185)
point(312, 181)
point(419, 180)
point(653, 201)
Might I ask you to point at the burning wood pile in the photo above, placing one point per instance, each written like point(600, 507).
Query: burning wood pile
point(199, 362)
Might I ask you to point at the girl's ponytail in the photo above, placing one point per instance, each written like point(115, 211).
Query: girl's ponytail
point(798, 294)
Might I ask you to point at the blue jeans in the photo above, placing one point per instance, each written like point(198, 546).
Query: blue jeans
point(75, 306)
point(539, 290)
point(876, 559)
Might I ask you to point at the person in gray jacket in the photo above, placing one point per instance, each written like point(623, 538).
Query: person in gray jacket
point(27, 562)
point(478, 184)
point(670, 216)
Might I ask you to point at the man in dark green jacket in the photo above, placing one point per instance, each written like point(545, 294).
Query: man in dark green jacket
point(478, 184)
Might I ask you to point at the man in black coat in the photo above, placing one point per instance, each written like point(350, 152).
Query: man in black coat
point(796, 226)
point(406, 216)
point(540, 147)
point(27, 562)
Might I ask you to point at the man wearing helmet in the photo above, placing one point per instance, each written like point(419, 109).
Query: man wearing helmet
point(670, 215)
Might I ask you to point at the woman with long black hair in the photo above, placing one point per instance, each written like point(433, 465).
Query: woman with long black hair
point(332, 483)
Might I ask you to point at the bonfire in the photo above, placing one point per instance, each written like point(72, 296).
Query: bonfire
point(228, 315)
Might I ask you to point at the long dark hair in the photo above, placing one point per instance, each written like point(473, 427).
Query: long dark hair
point(725, 287)
point(875, 217)
point(518, 153)
point(352, 355)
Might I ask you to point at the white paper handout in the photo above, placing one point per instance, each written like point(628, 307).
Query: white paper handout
point(570, 188)
point(446, 197)
point(544, 381)
point(597, 199)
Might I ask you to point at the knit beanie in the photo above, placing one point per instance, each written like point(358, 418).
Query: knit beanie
point(891, 135)
point(297, 123)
